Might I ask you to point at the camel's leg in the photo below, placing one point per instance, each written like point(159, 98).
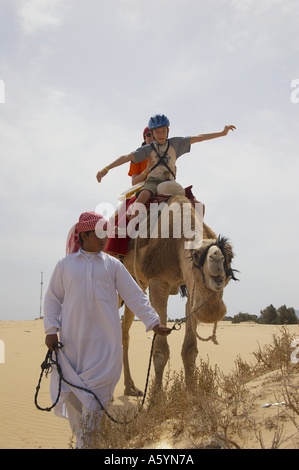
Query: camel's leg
point(189, 350)
point(158, 294)
point(130, 388)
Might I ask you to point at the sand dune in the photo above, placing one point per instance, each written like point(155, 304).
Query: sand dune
point(23, 426)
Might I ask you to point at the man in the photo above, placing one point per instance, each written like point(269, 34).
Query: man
point(81, 305)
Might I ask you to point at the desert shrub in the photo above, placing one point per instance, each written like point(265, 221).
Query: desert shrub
point(216, 412)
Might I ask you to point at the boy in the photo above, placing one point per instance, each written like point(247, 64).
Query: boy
point(162, 155)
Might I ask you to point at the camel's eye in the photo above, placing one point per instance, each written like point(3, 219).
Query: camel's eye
point(197, 259)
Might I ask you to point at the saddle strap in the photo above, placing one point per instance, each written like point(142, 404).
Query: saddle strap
point(161, 159)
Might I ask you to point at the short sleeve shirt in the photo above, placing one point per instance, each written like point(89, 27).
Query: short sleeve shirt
point(137, 168)
point(177, 146)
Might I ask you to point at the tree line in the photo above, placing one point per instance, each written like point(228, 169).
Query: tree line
point(269, 316)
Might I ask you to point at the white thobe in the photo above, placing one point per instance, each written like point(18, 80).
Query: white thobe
point(81, 303)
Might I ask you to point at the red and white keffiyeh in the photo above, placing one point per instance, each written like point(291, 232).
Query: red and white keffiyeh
point(87, 221)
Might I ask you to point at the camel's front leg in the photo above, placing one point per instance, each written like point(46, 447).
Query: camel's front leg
point(130, 388)
point(158, 294)
point(189, 349)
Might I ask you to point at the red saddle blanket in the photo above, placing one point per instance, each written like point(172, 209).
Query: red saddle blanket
point(119, 245)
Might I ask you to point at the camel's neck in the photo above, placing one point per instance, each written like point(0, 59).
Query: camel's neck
point(204, 303)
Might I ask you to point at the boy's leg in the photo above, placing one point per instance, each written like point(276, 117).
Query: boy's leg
point(142, 198)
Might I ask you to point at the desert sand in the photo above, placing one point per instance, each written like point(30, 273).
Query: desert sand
point(22, 350)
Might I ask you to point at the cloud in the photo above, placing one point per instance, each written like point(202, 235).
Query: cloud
point(81, 80)
point(36, 16)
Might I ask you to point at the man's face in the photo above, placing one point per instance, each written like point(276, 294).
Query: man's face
point(160, 134)
point(91, 242)
point(148, 137)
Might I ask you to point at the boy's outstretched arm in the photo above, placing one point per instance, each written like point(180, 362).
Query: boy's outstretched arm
point(119, 161)
point(214, 135)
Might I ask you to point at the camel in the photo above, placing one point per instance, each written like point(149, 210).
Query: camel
point(200, 266)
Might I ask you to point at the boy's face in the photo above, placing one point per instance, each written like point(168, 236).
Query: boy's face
point(160, 134)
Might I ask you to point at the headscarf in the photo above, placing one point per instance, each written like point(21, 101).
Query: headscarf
point(146, 130)
point(87, 221)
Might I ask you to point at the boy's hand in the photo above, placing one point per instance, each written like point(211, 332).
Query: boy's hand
point(99, 176)
point(228, 128)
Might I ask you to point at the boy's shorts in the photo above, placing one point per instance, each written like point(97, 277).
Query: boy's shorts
point(151, 184)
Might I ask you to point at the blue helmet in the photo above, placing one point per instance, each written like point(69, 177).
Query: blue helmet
point(158, 120)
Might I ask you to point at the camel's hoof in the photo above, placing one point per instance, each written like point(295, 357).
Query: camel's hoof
point(133, 392)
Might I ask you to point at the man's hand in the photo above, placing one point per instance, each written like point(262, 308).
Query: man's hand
point(52, 342)
point(162, 330)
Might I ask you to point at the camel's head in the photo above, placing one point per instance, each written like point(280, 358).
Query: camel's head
point(213, 258)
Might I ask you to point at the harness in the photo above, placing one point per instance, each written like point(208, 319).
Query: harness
point(161, 160)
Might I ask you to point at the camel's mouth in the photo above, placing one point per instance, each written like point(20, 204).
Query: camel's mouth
point(218, 281)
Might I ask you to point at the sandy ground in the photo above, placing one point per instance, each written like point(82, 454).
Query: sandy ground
point(23, 426)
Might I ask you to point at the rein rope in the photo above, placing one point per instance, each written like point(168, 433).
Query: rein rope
point(194, 323)
point(47, 366)
point(175, 327)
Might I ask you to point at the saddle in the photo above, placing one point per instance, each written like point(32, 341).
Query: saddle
point(117, 245)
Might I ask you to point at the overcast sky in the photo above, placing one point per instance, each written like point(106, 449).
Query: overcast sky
point(78, 83)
